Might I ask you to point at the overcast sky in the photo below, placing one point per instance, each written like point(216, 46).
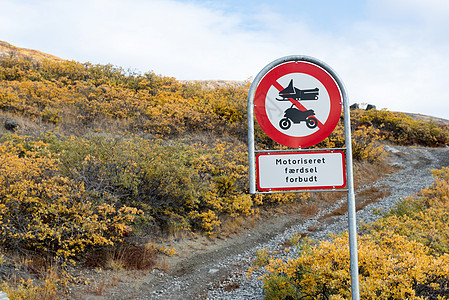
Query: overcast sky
point(391, 53)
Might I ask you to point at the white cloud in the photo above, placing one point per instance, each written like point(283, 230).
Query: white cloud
point(432, 10)
point(177, 39)
point(405, 61)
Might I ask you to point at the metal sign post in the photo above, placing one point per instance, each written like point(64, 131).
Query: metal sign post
point(300, 126)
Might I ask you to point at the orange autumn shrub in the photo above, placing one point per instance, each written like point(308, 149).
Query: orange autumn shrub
point(180, 185)
point(73, 93)
point(390, 267)
point(403, 129)
point(404, 255)
point(423, 218)
point(41, 210)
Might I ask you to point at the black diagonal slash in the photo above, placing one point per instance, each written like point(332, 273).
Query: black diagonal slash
point(295, 102)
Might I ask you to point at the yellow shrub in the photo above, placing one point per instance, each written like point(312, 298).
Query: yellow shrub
point(208, 220)
point(403, 129)
point(43, 211)
point(423, 218)
point(390, 267)
point(404, 255)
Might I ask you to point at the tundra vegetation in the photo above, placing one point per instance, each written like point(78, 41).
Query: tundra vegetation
point(403, 255)
point(105, 159)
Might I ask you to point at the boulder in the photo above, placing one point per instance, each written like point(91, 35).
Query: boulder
point(354, 106)
point(370, 106)
point(11, 125)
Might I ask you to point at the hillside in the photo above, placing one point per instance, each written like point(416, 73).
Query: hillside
point(101, 162)
point(8, 50)
point(421, 117)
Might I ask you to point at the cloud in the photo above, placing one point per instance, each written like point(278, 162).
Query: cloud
point(422, 10)
point(174, 38)
point(178, 39)
point(404, 60)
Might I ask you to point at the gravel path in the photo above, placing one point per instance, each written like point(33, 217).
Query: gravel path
point(221, 273)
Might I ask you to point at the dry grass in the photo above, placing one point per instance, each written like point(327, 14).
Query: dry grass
point(162, 266)
point(232, 286)
point(309, 210)
point(97, 288)
point(32, 277)
point(233, 225)
point(136, 257)
point(362, 199)
point(336, 212)
point(366, 173)
point(314, 227)
point(370, 195)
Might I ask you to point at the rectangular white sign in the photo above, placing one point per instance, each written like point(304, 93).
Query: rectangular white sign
point(300, 170)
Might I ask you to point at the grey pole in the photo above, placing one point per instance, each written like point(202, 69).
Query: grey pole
point(251, 150)
point(352, 224)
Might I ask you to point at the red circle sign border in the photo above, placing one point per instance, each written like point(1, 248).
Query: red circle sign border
point(305, 68)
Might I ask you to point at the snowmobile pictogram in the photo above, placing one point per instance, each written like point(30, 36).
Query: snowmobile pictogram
point(294, 93)
point(294, 114)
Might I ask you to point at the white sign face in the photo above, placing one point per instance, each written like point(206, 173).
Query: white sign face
point(276, 109)
point(300, 171)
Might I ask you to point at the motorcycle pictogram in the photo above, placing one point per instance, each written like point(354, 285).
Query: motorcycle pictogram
point(294, 114)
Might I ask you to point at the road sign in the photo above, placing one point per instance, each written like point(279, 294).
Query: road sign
point(297, 101)
point(297, 104)
point(300, 171)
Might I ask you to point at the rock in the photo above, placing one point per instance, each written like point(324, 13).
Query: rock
point(354, 106)
point(11, 125)
point(370, 106)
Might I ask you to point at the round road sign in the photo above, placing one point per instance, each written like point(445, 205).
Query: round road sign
point(297, 104)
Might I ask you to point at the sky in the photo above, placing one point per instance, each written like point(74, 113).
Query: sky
point(390, 53)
